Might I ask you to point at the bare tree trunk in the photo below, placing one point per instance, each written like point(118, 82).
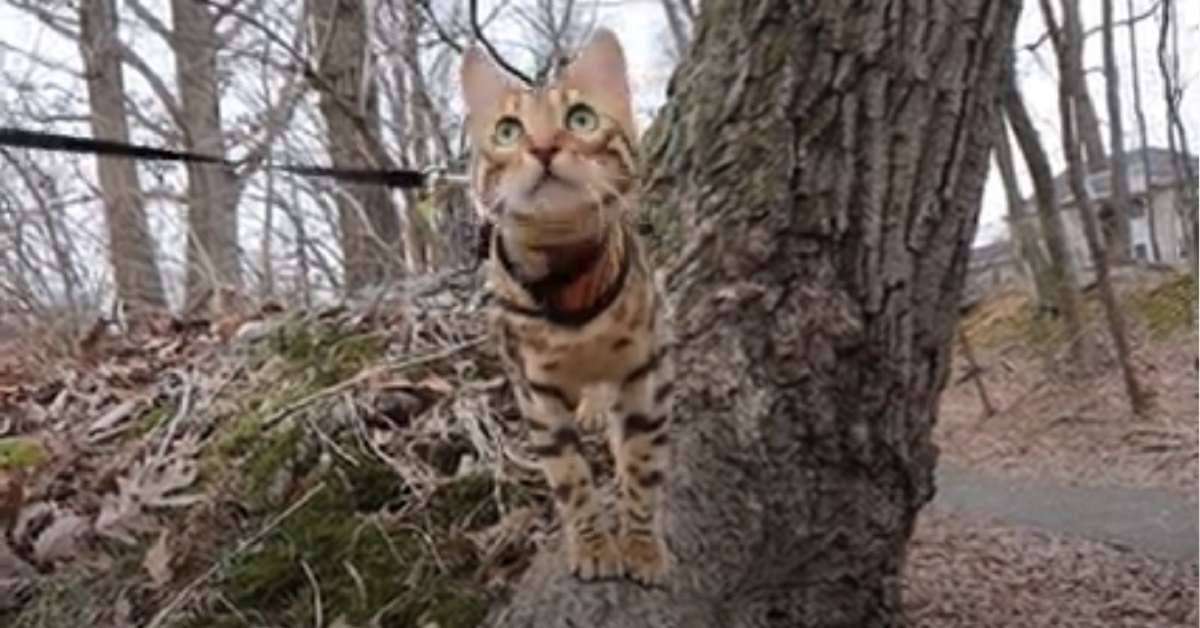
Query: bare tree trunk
point(131, 246)
point(1140, 116)
point(213, 255)
point(1118, 170)
point(1028, 249)
point(680, 24)
point(833, 189)
point(1063, 281)
point(1088, 129)
point(1070, 86)
point(371, 235)
point(1176, 135)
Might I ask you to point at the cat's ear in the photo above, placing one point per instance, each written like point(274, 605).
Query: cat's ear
point(480, 80)
point(600, 65)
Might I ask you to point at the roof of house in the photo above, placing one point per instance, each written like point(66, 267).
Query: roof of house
point(990, 254)
point(1163, 173)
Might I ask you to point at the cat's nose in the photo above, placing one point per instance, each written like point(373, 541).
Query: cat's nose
point(544, 154)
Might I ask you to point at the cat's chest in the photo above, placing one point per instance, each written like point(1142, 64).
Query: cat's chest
point(607, 348)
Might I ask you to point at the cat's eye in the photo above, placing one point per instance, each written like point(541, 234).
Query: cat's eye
point(582, 119)
point(508, 130)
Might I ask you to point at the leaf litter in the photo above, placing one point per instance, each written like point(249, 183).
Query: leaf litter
point(363, 465)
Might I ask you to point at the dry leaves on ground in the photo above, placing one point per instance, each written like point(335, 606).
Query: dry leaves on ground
point(977, 575)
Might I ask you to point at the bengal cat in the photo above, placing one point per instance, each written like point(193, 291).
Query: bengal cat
point(578, 317)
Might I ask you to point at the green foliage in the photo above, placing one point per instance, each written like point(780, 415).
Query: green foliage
point(20, 452)
point(1169, 307)
point(362, 564)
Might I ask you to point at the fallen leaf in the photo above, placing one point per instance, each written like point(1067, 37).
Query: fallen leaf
point(157, 561)
point(61, 539)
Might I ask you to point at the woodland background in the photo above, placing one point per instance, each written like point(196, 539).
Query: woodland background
point(164, 327)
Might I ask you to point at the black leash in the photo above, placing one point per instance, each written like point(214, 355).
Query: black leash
point(403, 179)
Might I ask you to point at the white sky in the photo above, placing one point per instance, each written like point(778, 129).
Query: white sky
point(642, 28)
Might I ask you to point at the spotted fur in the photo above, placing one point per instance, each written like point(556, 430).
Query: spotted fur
point(578, 318)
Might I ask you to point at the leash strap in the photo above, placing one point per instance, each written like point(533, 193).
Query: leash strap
point(19, 138)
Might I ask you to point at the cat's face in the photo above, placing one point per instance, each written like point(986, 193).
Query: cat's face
point(556, 162)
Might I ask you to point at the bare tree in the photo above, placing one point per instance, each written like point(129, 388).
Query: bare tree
point(1168, 64)
point(831, 192)
point(1118, 169)
point(1070, 86)
point(213, 255)
point(1027, 247)
point(1063, 282)
point(681, 15)
point(131, 247)
point(371, 235)
point(1139, 112)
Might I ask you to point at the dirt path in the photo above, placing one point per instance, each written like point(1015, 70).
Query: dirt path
point(1153, 521)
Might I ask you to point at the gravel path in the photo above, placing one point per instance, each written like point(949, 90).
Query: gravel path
point(1156, 522)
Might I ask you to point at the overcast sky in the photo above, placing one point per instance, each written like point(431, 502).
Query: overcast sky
point(641, 26)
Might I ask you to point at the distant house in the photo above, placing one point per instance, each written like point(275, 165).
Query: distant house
point(1156, 230)
point(991, 265)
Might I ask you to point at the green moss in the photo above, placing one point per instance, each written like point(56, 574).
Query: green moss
point(326, 352)
point(353, 564)
point(20, 452)
point(1168, 307)
point(264, 462)
point(152, 418)
point(61, 601)
point(465, 502)
point(457, 609)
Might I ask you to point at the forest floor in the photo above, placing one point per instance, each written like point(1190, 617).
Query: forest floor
point(274, 468)
point(1060, 508)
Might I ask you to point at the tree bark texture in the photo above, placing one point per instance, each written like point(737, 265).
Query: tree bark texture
point(131, 247)
point(213, 255)
point(829, 165)
point(371, 234)
point(1071, 85)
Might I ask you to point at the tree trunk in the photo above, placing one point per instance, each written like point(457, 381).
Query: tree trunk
point(1069, 88)
point(1063, 282)
point(831, 170)
point(1027, 248)
point(1185, 171)
point(1118, 169)
point(371, 235)
point(130, 244)
point(1140, 115)
point(213, 255)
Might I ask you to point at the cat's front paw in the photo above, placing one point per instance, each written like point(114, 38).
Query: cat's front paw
point(645, 559)
point(595, 558)
point(595, 405)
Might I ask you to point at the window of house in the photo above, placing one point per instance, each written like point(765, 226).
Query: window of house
point(1140, 252)
point(1137, 207)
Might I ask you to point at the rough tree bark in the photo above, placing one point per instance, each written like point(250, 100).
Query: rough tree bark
point(130, 244)
point(1064, 283)
point(371, 235)
point(213, 255)
point(829, 164)
point(1070, 86)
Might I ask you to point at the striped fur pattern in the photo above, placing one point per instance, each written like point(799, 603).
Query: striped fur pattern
point(578, 318)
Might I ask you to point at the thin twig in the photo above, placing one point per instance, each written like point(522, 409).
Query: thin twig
point(347, 384)
point(477, 33)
